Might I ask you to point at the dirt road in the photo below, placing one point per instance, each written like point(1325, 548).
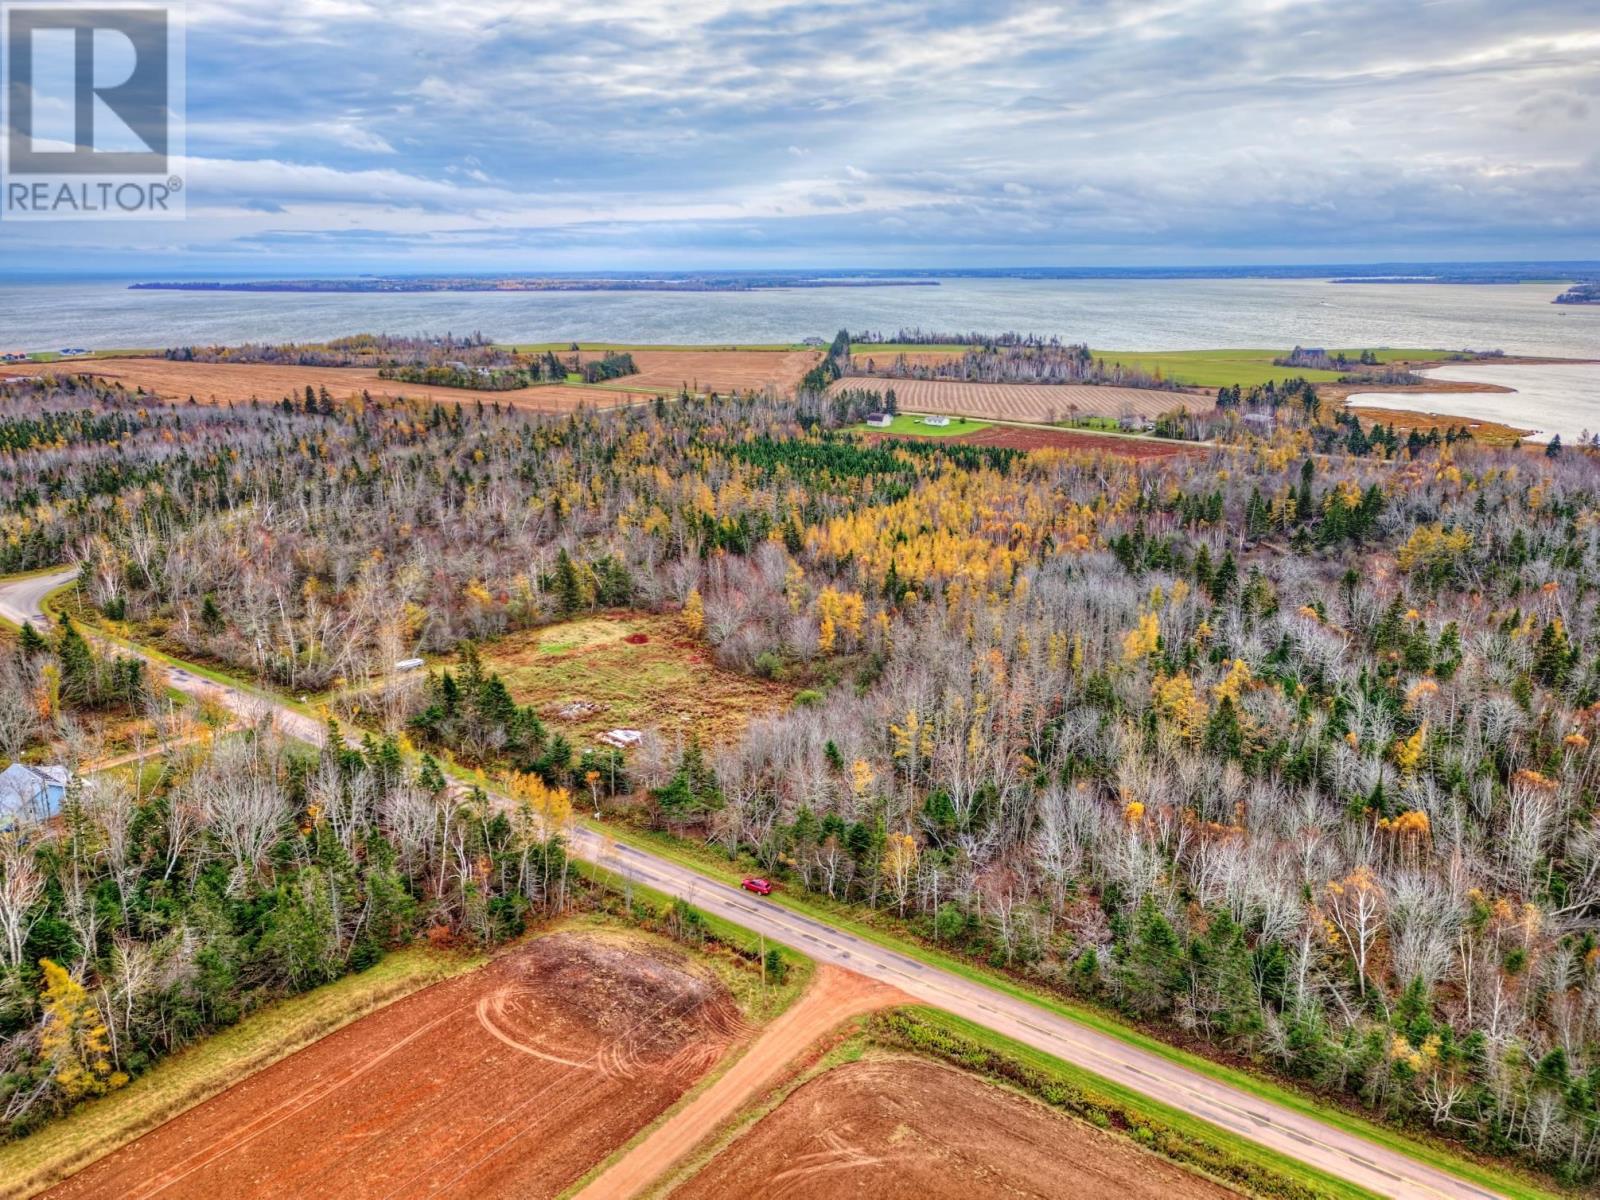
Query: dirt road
point(833, 997)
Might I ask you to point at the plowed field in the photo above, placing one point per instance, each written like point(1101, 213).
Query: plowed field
point(1027, 437)
point(716, 370)
point(660, 372)
point(903, 1129)
point(220, 383)
point(513, 1080)
point(1027, 401)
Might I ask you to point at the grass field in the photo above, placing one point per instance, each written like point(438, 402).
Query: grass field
point(216, 1063)
point(911, 425)
point(1250, 368)
point(629, 670)
point(1196, 368)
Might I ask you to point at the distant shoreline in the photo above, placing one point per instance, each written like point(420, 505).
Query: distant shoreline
point(408, 286)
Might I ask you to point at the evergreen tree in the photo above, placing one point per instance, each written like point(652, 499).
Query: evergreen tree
point(1150, 965)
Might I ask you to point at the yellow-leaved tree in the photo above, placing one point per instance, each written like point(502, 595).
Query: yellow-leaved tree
point(74, 1040)
point(1142, 641)
point(550, 806)
point(899, 866)
point(1177, 701)
point(1407, 752)
point(694, 613)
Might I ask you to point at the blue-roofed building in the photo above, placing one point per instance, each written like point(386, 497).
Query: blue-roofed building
point(29, 793)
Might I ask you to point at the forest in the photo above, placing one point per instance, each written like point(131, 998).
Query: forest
point(1024, 361)
point(1283, 748)
point(357, 350)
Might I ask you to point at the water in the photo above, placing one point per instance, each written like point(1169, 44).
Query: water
point(1551, 399)
point(1116, 314)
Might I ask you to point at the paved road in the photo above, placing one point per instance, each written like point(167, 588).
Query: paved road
point(1346, 1155)
point(21, 600)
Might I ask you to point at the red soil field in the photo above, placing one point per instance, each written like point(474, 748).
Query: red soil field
point(513, 1080)
point(896, 1128)
point(1021, 437)
point(833, 998)
point(660, 372)
point(720, 371)
point(220, 383)
point(1028, 401)
point(1024, 437)
point(884, 360)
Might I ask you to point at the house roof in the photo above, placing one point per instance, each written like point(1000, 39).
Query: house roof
point(38, 776)
point(23, 787)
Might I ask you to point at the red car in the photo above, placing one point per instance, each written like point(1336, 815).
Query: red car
point(760, 887)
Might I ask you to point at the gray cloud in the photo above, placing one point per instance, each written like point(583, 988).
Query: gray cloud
point(650, 133)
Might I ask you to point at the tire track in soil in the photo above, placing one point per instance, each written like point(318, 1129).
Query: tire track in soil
point(616, 1034)
point(835, 995)
point(255, 1128)
point(612, 1061)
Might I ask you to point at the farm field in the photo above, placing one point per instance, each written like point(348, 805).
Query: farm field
point(1193, 368)
point(1022, 437)
point(1046, 403)
point(1034, 437)
point(669, 371)
point(1224, 368)
point(216, 1063)
point(638, 671)
point(221, 383)
point(514, 1079)
point(881, 358)
point(901, 1127)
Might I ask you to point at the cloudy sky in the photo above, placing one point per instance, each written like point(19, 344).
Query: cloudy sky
point(334, 135)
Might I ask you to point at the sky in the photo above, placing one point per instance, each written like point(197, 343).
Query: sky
point(329, 136)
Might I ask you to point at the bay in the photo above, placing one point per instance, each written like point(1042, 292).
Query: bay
point(1117, 314)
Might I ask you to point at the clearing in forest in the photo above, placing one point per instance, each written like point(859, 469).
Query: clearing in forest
point(897, 1126)
point(515, 1079)
point(632, 671)
point(915, 425)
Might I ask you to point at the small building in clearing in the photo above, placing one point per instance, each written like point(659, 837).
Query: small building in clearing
point(936, 421)
point(1260, 423)
point(880, 420)
point(621, 739)
point(29, 793)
